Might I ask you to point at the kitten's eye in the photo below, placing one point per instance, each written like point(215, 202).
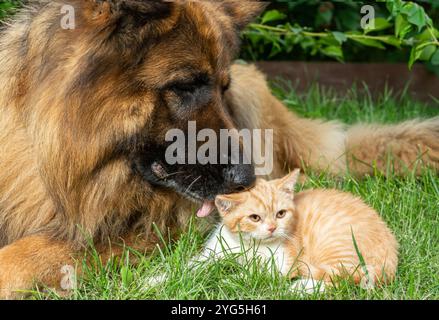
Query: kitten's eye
point(255, 218)
point(280, 214)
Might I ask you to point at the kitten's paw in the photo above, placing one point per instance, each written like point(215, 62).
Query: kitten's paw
point(308, 286)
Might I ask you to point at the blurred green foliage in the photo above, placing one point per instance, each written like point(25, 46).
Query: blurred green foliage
point(322, 30)
point(7, 7)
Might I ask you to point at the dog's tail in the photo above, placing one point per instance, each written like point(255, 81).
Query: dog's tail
point(331, 146)
point(410, 145)
point(362, 149)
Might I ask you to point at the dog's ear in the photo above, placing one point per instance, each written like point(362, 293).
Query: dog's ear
point(243, 12)
point(131, 16)
point(141, 12)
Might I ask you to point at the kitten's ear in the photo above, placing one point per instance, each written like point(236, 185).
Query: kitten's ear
point(226, 203)
point(243, 12)
point(288, 183)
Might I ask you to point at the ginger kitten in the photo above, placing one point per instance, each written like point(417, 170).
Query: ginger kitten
point(308, 235)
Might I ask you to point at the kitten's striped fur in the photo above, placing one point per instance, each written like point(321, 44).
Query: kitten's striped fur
point(315, 236)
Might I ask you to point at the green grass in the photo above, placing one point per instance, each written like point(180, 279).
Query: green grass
point(409, 205)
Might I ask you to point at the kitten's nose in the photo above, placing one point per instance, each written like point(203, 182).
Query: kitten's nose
point(272, 228)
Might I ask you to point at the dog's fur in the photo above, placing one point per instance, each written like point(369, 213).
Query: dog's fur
point(83, 113)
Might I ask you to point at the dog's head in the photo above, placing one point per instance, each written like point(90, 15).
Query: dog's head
point(148, 67)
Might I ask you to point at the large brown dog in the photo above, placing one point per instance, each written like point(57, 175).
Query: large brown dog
point(84, 114)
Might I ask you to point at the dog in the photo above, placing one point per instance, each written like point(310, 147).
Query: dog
point(85, 112)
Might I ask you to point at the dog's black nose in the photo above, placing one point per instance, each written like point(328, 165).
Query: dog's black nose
point(239, 178)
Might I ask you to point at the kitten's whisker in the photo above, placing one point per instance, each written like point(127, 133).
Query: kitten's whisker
point(286, 236)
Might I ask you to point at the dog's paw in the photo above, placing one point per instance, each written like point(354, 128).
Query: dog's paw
point(13, 285)
point(16, 278)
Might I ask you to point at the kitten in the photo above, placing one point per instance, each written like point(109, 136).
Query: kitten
point(309, 235)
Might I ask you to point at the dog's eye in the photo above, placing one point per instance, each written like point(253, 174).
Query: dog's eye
point(254, 218)
point(281, 213)
point(190, 85)
point(184, 87)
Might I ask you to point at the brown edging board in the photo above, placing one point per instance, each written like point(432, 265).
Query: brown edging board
point(341, 76)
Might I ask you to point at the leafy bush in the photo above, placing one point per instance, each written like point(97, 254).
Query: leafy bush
point(314, 29)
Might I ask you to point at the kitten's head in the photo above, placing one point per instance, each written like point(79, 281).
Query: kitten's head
point(264, 213)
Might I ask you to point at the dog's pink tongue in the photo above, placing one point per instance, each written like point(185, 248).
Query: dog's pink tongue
point(206, 209)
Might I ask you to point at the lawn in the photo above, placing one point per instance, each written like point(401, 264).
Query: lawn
point(409, 205)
